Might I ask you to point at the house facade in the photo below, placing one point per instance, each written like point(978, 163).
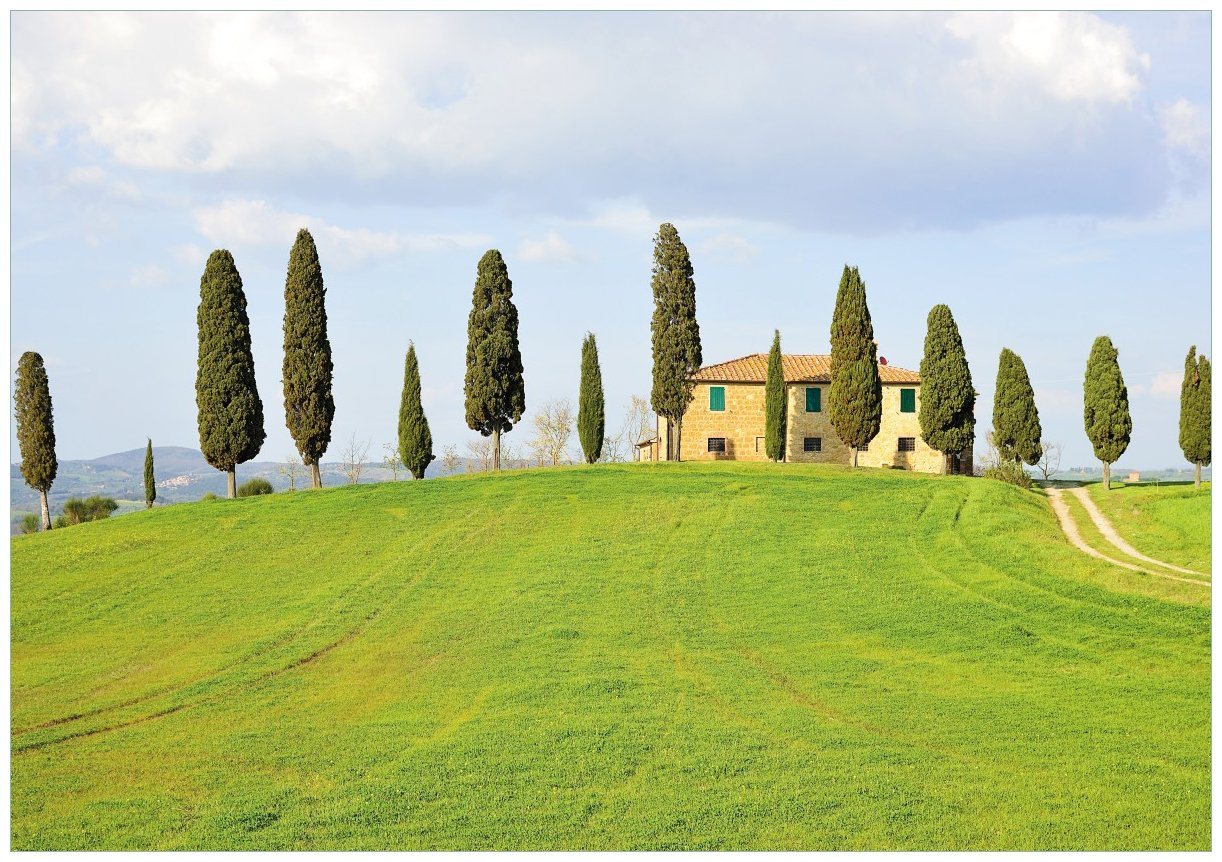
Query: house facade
point(726, 418)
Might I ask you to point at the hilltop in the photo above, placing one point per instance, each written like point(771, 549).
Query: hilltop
point(634, 656)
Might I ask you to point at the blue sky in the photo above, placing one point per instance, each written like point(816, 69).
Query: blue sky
point(1044, 174)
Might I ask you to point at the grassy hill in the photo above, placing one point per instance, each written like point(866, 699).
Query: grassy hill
point(624, 656)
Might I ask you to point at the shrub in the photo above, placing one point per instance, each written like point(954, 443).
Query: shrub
point(78, 511)
point(208, 496)
point(30, 523)
point(255, 487)
point(1008, 471)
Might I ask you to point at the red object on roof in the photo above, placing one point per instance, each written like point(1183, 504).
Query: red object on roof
point(882, 360)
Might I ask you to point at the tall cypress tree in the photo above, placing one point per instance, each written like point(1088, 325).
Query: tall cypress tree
point(1195, 402)
point(309, 405)
point(495, 391)
point(774, 403)
point(948, 401)
point(591, 418)
point(415, 439)
point(150, 483)
point(855, 397)
point(1105, 406)
point(1016, 421)
point(230, 410)
point(675, 333)
point(36, 428)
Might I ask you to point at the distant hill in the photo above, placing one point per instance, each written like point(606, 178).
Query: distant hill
point(182, 475)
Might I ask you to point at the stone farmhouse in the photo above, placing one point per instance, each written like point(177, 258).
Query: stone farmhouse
point(726, 418)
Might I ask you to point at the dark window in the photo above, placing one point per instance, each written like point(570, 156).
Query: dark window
point(908, 401)
point(717, 398)
point(907, 444)
point(814, 400)
point(812, 444)
point(717, 444)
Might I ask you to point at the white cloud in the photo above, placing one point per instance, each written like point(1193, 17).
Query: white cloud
point(190, 253)
point(240, 222)
point(1186, 127)
point(96, 180)
point(550, 249)
point(149, 275)
point(1073, 56)
point(728, 248)
point(1165, 386)
point(555, 114)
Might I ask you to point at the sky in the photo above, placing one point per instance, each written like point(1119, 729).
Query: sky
point(1046, 175)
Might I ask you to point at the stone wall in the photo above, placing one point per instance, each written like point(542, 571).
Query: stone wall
point(742, 426)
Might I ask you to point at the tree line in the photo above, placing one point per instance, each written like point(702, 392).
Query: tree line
point(947, 410)
point(230, 412)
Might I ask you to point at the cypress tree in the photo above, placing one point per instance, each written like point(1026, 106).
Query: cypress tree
point(415, 439)
point(948, 401)
point(1016, 421)
point(1194, 412)
point(675, 333)
point(591, 418)
point(309, 405)
point(36, 428)
point(774, 403)
point(855, 397)
point(150, 483)
point(1105, 406)
point(495, 391)
point(230, 411)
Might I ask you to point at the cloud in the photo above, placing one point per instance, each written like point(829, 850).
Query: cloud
point(1185, 127)
point(1165, 386)
point(551, 249)
point(728, 248)
point(97, 181)
point(149, 275)
point(856, 123)
point(1071, 56)
point(237, 223)
point(190, 253)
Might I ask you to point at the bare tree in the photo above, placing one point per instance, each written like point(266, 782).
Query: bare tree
point(392, 461)
point(449, 458)
point(640, 423)
point(1050, 461)
point(553, 428)
point(353, 460)
point(481, 455)
point(990, 458)
point(290, 468)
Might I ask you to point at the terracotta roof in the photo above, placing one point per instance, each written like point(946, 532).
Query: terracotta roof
point(796, 367)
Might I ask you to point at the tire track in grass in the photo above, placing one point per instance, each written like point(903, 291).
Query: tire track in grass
point(1070, 528)
point(295, 663)
point(1105, 528)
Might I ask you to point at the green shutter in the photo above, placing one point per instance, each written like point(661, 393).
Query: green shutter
point(717, 398)
point(908, 401)
point(814, 402)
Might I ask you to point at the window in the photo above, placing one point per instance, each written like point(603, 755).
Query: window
point(814, 401)
point(717, 399)
point(864, 447)
point(759, 444)
point(908, 401)
point(907, 444)
point(812, 444)
point(717, 444)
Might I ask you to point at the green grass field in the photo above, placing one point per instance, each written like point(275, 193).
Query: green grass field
point(622, 657)
point(1169, 522)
